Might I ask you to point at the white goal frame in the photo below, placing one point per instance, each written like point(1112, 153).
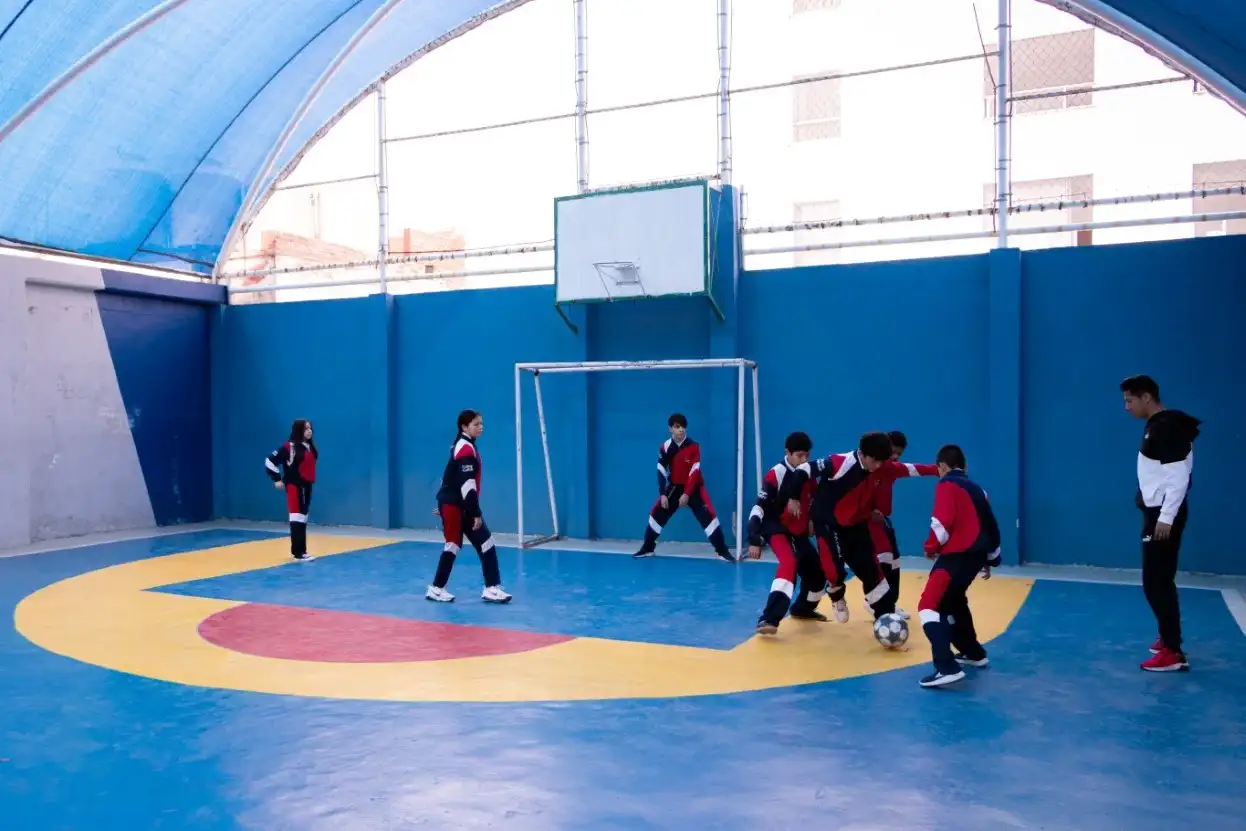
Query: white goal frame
point(537, 369)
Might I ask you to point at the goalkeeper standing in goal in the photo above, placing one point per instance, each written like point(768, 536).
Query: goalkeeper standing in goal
point(681, 484)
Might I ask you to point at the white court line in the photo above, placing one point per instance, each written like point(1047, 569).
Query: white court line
point(1236, 602)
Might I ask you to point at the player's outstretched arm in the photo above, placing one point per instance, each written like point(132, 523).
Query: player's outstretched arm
point(904, 470)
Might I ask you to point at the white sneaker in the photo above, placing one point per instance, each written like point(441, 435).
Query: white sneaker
point(903, 614)
point(439, 595)
point(494, 594)
point(841, 610)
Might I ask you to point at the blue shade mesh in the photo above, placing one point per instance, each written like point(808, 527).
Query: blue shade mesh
point(149, 153)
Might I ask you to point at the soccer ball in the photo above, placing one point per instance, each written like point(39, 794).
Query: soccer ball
point(891, 631)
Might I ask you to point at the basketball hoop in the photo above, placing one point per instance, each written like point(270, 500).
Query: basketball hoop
point(620, 272)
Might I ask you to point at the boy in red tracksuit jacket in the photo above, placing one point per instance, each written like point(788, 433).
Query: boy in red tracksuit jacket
point(681, 484)
point(780, 519)
point(843, 503)
point(964, 540)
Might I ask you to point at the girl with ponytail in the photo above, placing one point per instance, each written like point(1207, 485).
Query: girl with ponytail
point(292, 467)
point(458, 505)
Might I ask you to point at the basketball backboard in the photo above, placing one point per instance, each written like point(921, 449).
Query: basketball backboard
point(627, 243)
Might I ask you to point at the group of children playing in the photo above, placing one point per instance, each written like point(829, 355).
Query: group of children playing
point(820, 516)
point(824, 516)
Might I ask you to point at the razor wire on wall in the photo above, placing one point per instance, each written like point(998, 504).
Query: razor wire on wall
point(857, 131)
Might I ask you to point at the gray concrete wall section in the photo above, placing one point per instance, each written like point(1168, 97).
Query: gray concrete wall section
point(82, 471)
point(14, 458)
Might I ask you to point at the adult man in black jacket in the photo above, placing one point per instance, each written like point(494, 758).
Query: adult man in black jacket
point(1165, 465)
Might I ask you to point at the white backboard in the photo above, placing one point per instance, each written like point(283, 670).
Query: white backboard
point(639, 242)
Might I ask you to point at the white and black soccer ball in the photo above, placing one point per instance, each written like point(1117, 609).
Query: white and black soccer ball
point(891, 630)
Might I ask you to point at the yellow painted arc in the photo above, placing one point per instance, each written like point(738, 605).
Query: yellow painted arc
point(113, 618)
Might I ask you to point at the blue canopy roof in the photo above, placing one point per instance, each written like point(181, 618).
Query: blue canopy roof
point(1204, 38)
point(137, 130)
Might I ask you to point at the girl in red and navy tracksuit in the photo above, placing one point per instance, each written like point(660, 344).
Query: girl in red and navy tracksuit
point(458, 505)
point(292, 467)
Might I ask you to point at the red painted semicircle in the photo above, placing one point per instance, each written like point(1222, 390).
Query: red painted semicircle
point(300, 634)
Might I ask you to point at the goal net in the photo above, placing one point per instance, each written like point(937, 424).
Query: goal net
point(742, 367)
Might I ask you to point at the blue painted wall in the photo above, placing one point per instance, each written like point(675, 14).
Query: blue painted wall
point(160, 353)
point(1015, 357)
point(457, 350)
point(879, 346)
point(1091, 317)
point(628, 412)
point(324, 360)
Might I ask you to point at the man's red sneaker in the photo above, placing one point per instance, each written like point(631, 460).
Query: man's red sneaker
point(1165, 661)
point(1158, 646)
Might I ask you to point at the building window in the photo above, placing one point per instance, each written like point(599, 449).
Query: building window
point(1219, 175)
point(817, 212)
point(1060, 68)
point(816, 109)
point(800, 6)
point(1067, 189)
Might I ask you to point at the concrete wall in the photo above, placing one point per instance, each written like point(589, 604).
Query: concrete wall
point(1016, 357)
point(78, 444)
point(14, 461)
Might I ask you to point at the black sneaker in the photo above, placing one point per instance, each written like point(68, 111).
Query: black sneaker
point(726, 555)
point(812, 614)
point(942, 679)
point(981, 663)
point(643, 553)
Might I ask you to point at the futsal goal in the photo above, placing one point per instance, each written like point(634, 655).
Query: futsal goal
point(536, 370)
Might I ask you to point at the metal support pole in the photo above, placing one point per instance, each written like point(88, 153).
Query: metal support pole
point(581, 96)
point(382, 188)
point(739, 468)
point(1003, 87)
point(549, 472)
point(724, 91)
point(519, 454)
point(756, 430)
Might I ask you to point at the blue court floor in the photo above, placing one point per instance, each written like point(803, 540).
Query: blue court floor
point(1063, 731)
